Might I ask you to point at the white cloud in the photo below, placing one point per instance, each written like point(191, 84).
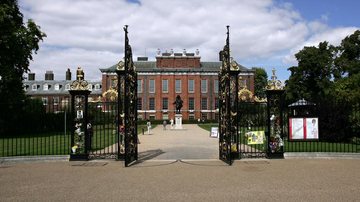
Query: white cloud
point(89, 33)
point(333, 36)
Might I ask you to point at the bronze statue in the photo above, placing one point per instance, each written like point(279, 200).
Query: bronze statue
point(178, 104)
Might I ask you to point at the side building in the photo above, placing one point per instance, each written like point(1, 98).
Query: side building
point(55, 93)
point(172, 74)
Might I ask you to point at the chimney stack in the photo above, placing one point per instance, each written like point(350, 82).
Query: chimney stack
point(68, 75)
point(49, 76)
point(31, 77)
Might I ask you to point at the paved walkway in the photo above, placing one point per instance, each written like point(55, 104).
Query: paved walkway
point(259, 180)
point(192, 142)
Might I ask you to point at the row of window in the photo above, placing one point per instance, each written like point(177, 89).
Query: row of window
point(165, 86)
point(165, 104)
point(55, 100)
point(46, 87)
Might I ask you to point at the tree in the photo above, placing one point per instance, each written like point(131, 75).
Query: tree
point(312, 79)
point(261, 79)
point(347, 66)
point(17, 43)
point(348, 61)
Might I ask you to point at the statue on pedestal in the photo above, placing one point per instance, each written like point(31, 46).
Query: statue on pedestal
point(178, 104)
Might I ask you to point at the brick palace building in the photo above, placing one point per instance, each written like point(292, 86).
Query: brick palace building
point(55, 93)
point(172, 74)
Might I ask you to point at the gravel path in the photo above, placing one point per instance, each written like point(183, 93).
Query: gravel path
point(192, 142)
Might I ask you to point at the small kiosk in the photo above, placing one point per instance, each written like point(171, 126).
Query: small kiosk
point(303, 123)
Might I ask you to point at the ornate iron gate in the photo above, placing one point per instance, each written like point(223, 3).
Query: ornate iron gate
point(228, 112)
point(127, 105)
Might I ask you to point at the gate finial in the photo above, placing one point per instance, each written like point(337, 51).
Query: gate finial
point(274, 84)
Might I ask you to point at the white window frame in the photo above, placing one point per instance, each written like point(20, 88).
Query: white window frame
point(193, 103)
point(46, 87)
point(57, 86)
point(207, 104)
point(204, 86)
point(150, 103)
point(139, 101)
point(193, 87)
point(177, 86)
point(56, 100)
point(44, 100)
point(97, 86)
point(163, 86)
point(67, 86)
point(216, 86)
point(139, 90)
point(163, 107)
point(34, 87)
point(151, 90)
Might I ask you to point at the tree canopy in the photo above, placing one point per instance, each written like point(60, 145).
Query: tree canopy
point(261, 79)
point(326, 71)
point(17, 44)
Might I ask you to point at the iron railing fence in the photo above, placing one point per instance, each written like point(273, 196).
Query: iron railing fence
point(104, 140)
point(32, 128)
point(252, 120)
point(338, 127)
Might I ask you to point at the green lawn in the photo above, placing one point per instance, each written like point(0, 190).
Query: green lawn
point(40, 144)
point(207, 126)
point(320, 147)
point(56, 143)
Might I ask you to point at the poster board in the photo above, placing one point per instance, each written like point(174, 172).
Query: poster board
point(256, 137)
point(214, 132)
point(304, 128)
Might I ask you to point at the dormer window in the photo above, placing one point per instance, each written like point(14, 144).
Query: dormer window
point(34, 87)
point(89, 86)
point(67, 87)
point(97, 86)
point(45, 87)
point(57, 86)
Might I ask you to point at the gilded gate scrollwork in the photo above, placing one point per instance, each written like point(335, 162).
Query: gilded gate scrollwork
point(228, 103)
point(127, 104)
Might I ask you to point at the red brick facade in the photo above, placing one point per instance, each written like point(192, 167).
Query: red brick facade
point(186, 68)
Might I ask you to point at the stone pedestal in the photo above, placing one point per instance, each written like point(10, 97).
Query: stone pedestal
point(178, 121)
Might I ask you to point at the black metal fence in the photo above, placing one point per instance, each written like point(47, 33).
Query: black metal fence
point(104, 140)
point(32, 128)
point(338, 127)
point(252, 120)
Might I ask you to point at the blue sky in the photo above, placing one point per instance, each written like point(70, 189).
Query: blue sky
point(338, 13)
point(263, 33)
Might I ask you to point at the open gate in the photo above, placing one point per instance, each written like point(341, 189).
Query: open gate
point(127, 104)
point(228, 106)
